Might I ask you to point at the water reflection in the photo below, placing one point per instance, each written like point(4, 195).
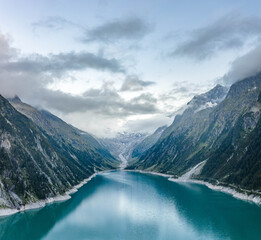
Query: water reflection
point(127, 205)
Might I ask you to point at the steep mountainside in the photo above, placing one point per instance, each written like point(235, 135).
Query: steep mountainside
point(180, 141)
point(33, 164)
point(237, 159)
point(64, 134)
point(148, 142)
point(227, 136)
point(198, 103)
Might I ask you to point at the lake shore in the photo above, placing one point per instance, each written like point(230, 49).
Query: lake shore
point(236, 194)
point(149, 172)
point(43, 203)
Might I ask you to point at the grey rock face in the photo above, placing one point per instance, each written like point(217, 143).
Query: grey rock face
point(222, 135)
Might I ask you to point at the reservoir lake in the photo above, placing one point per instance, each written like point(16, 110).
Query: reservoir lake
point(131, 205)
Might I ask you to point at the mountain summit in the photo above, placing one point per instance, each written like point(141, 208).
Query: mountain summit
point(225, 136)
point(42, 157)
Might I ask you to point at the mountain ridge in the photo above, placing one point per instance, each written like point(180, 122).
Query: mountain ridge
point(212, 135)
point(35, 164)
point(147, 142)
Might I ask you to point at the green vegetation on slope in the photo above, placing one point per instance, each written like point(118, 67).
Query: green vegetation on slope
point(35, 164)
point(227, 136)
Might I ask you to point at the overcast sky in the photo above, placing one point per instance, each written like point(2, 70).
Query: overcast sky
point(111, 66)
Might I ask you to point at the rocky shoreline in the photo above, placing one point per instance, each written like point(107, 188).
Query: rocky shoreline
point(236, 194)
point(43, 203)
point(242, 196)
point(150, 172)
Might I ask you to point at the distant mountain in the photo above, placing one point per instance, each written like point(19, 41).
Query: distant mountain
point(123, 143)
point(147, 142)
point(209, 99)
point(225, 134)
point(198, 103)
point(40, 156)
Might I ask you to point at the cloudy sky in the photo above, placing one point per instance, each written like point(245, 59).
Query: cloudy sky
point(108, 66)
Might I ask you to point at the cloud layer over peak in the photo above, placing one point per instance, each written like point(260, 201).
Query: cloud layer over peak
point(244, 66)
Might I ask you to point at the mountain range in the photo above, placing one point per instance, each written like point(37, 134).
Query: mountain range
point(218, 133)
point(41, 156)
point(220, 129)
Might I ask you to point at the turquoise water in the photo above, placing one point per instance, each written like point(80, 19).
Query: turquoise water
point(128, 205)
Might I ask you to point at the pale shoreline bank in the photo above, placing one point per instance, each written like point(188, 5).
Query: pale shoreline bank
point(43, 203)
point(149, 172)
point(242, 196)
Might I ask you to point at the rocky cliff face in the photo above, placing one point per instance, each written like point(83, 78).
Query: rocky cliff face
point(79, 143)
point(235, 158)
point(35, 161)
point(226, 135)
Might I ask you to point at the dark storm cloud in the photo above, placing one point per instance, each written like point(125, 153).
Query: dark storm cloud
point(130, 28)
point(133, 83)
point(229, 32)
